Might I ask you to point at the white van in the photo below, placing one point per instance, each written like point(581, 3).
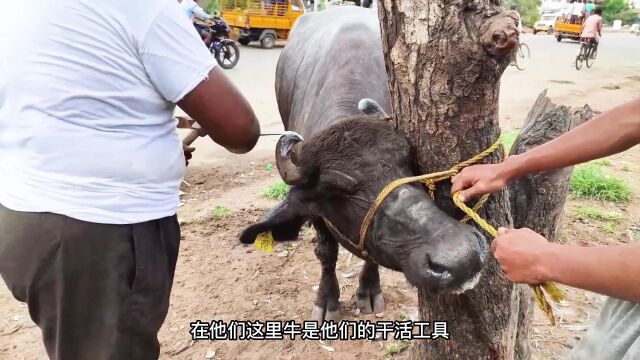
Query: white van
point(546, 23)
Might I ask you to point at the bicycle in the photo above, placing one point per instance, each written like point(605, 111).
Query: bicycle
point(521, 57)
point(588, 52)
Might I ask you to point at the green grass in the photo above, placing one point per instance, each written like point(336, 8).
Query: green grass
point(596, 214)
point(397, 347)
point(607, 228)
point(627, 168)
point(589, 181)
point(508, 138)
point(277, 191)
point(603, 162)
point(221, 212)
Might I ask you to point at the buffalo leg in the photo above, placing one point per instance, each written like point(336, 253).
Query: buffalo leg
point(327, 304)
point(369, 293)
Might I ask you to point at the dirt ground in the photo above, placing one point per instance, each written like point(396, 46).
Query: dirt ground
point(219, 279)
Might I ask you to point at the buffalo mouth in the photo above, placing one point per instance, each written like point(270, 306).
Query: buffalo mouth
point(451, 270)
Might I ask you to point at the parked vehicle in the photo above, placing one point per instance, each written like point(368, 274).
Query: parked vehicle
point(546, 23)
point(222, 48)
point(261, 20)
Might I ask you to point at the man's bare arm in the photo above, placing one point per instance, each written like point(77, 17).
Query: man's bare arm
point(611, 132)
point(224, 114)
point(527, 257)
point(608, 270)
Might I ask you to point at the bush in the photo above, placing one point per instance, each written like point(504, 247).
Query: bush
point(528, 9)
point(618, 10)
point(590, 181)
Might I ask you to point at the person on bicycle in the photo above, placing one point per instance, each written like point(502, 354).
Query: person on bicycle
point(591, 31)
point(194, 11)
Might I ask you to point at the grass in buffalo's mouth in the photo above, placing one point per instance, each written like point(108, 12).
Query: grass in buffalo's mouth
point(597, 214)
point(591, 182)
point(276, 191)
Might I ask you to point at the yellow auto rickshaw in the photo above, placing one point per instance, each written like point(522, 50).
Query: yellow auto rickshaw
point(261, 20)
point(565, 28)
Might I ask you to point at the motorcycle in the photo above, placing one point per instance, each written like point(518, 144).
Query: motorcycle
point(222, 48)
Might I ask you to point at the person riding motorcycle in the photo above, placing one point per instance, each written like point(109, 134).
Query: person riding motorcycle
point(193, 12)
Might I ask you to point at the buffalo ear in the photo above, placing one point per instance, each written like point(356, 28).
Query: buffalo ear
point(337, 180)
point(284, 221)
point(372, 108)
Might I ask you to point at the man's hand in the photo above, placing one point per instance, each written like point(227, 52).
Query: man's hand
point(478, 180)
point(522, 255)
point(188, 153)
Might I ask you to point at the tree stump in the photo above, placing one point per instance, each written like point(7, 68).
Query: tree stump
point(444, 61)
point(537, 201)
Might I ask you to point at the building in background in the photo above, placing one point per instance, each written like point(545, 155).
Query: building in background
point(556, 6)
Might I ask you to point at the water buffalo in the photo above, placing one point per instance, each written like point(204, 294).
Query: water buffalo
point(333, 60)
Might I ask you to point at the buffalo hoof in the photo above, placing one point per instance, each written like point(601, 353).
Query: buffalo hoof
point(370, 302)
point(321, 314)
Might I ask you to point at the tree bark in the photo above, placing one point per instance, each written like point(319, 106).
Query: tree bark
point(444, 60)
point(537, 201)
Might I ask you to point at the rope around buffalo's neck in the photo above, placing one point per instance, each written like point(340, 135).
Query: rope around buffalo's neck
point(430, 181)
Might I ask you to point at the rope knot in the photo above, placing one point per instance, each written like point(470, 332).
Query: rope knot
point(431, 187)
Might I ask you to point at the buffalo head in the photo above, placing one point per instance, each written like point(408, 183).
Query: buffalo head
point(337, 175)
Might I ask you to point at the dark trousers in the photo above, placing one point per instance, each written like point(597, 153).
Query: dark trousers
point(97, 292)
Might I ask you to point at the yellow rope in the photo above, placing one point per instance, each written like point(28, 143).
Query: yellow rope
point(476, 207)
point(430, 181)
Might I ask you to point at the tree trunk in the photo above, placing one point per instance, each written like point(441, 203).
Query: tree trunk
point(444, 59)
point(537, 201)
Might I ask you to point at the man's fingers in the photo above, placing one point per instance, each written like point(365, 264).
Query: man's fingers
point(494, 245)
point(459, 183)
point(464, 186)
point(496, 242)
point(463, 196)
point(468, 194)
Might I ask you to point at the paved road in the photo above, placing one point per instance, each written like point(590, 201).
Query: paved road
point(551, 67)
